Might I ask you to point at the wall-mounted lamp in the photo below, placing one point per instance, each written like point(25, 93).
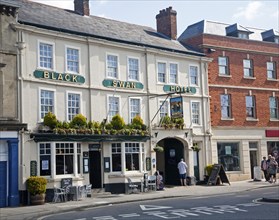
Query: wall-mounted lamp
point(156, 134)
point(210, 50)
point(186, 134)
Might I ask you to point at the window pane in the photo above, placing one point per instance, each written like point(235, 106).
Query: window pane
point(46, 59)
point(133, 69)
point(112, 66)
point(228, 156)
point(72, 60)
point(194, 75)
point(161, 72)
point(113, 106)
point(73, 105)
point(173, 73)
point(134, 108)
point(132, 156)
point(47, 102)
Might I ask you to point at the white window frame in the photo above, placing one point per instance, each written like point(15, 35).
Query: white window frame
point(197, 76)
point(39, 101)
point(225, 66)
point(66, 59)
point(39, 56)
point(176, 74)
point(193, 114)
point(276, 107)
point(67, 100)
point(228, 106)
point(128, 69)
point(130, 105)
point(165, 74)
point(108, 109)
point(117, 76)
point(271, 71)
point(253, 107)
point(248, 68)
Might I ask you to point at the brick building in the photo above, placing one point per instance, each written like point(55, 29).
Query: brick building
point(244, 89)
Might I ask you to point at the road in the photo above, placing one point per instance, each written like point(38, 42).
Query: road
point(235, 206)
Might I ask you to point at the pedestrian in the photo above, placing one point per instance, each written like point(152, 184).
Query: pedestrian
point(272, 169)
point(182, 168)
point(159, 180)
point(264, 167)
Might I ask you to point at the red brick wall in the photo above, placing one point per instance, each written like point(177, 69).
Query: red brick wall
point(236, 50)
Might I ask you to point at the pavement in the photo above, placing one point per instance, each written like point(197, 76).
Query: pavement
point(101, 199)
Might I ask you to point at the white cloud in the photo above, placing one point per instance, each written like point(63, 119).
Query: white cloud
point(66, 4)
point(250, 11)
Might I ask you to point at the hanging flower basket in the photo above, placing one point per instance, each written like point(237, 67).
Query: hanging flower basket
point(158, 149)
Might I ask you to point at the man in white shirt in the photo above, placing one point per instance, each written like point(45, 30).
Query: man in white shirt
point(182, 168)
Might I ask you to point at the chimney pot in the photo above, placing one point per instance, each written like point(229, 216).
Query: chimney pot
point(166, 22)
point(82, 7)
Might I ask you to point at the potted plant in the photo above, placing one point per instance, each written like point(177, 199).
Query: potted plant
point(36, 186)
point(158, 149)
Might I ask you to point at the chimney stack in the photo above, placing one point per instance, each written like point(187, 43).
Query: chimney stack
point(166, 23)
point(82, 7)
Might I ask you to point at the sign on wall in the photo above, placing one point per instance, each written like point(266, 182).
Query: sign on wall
point(176, 107)
point(65, 77)
point(33, 168)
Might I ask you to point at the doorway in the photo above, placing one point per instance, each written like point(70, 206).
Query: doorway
point(95, 169)
point(167, 161)
point(3, 184)
point(253, 149)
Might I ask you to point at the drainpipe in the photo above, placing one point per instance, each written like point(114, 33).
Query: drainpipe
point(89, 79)
point(20, 46)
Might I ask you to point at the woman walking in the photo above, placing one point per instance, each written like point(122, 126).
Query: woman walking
point(272, 170)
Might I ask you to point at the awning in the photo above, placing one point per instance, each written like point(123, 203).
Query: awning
point(43, 137)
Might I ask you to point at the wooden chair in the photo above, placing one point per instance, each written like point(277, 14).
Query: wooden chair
point(133, 188)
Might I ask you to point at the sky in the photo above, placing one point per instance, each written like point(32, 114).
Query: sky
point(262, 14)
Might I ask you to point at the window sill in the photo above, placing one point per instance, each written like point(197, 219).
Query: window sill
point(225, 75)
point(272, 80)
point(227, 119)
point(249, 77)
point(252, 119)
point(274, 119)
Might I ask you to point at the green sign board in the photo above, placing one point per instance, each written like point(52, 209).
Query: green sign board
point(148, 163)
point(122, 84)
point(33, 168)
point(179, 89)
point(65, 77)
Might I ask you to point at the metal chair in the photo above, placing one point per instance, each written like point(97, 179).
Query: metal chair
point(133, 188)
point(152, 183)
point(88, 190)
point(59, 195)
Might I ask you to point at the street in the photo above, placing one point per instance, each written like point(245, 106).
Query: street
point(244, 205)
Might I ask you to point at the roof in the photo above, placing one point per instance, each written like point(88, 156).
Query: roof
point(53, 18)
point(218, 28)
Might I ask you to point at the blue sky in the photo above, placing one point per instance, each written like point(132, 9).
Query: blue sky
point(262, 14)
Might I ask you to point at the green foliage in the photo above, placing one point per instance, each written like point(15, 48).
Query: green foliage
point(137, 122)
point(50, 120)
point(117, 122)
point(208, 169)
point(158, 148)
point(79, 121)
point(36, 185)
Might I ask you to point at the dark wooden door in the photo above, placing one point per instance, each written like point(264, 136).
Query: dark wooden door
point(95, 169)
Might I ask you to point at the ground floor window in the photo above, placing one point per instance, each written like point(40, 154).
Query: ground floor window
point(273, 149)
point(66, 156)
point(228, 155)
point(131, 153)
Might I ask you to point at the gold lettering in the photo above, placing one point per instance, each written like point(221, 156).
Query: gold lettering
point(53, 75)
point(46, 74)
point(128, 85)
point(177, 89)
point(172, 88)
point(133, 85)
point(67, 77)
point(121, 84)
point(60, 76)
point(114, 83)
point(74, 79)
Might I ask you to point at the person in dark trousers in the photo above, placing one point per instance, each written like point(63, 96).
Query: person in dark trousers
point(264, 167)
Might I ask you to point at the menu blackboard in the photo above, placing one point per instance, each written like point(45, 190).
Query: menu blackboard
point(217, 172)
point(66, 182)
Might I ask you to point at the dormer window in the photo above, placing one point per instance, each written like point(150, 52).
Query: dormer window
point(271, 36)
point(236, 30)
point(243, 35)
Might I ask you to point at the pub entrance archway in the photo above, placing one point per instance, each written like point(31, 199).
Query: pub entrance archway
point(166, 161)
